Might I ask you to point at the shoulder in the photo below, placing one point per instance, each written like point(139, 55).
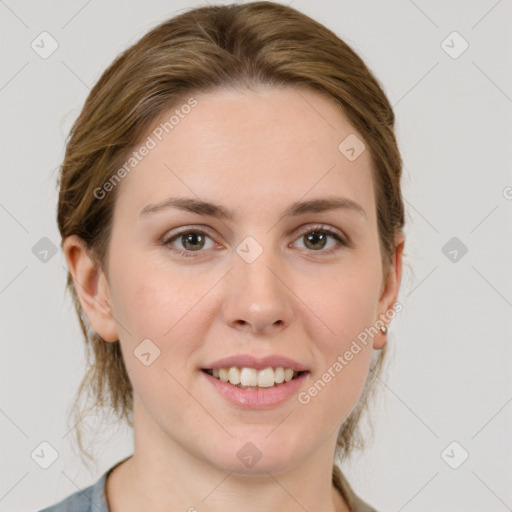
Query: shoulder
point(90, 499)
point(355, 503)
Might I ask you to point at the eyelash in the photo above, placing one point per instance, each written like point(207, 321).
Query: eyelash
point(166, 241)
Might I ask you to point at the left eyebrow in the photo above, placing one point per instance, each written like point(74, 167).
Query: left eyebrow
point(214, 210)
point(322, 205)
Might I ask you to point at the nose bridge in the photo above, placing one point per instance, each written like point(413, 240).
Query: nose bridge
point(257, 295)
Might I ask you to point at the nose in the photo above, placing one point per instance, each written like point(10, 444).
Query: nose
point(257, 296)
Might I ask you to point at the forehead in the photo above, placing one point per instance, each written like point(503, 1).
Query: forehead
point(250, 148)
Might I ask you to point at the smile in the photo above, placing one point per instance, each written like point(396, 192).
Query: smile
point(250, 378)
point(254, 396)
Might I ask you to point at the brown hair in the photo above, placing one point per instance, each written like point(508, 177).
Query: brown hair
point(259, 43)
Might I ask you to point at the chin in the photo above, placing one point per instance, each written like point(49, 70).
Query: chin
point(255, 458)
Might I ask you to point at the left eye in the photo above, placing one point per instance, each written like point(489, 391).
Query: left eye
point(316, 239)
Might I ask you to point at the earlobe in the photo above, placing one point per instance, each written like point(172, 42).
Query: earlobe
point(390, 290)
point(91, 286)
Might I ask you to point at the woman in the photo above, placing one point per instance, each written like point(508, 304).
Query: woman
point(232, 220)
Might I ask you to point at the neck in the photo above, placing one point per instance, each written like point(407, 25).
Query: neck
point(163, 476)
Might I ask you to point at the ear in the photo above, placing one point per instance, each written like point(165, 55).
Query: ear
point(390, 288)
point(91, 286)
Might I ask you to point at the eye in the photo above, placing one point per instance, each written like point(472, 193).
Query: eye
point(316, 238)
point(191, 240)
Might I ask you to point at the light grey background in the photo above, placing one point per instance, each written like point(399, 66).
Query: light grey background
point(449, 378)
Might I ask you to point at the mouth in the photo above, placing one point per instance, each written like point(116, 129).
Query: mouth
point(251, 378)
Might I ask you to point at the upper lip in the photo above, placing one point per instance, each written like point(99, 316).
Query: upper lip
point(258, 363)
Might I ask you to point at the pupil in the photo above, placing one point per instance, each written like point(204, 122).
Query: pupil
point(192, 239)
point(315, 237)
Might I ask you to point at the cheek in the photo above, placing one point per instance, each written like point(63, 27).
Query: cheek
point(346, 301)
point(152, 304)
point(175, 313)
point(167, 312)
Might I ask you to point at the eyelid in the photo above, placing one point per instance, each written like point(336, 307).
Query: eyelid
point(186, 229)
point(322, 227)
point(301, 230)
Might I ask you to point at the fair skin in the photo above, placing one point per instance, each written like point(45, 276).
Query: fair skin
point(255, 152)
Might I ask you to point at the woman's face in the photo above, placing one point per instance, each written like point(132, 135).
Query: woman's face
point(189, 288)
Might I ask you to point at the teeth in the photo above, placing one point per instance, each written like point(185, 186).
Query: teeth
point(234, 375)
point(266, 378)
point(250, 377)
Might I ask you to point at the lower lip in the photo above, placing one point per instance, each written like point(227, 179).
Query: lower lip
point(264, 398)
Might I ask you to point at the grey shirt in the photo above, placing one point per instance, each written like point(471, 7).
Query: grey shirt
point(93, 499)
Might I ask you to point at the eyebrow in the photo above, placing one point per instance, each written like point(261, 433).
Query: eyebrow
point(214, 210)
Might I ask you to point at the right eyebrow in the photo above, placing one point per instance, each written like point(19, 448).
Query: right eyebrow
point(192, 205)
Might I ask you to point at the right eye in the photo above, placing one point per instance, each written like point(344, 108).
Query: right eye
point(192, 240)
